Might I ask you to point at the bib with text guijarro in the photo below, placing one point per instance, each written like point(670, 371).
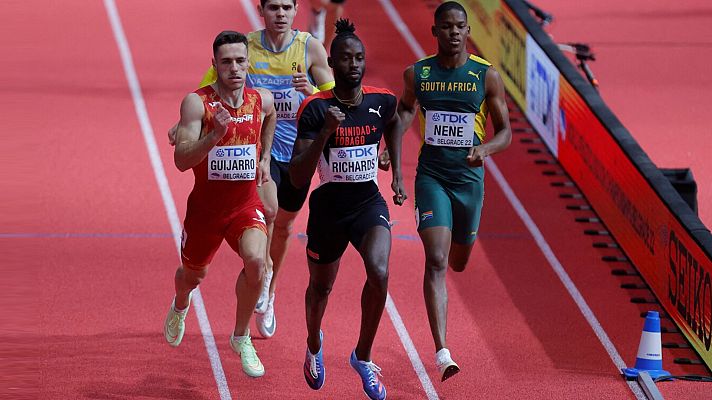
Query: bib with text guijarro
point(447, 128)
point(352, 164)
point(232, 163)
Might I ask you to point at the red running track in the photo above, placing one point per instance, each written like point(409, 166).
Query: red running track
point(103, 253)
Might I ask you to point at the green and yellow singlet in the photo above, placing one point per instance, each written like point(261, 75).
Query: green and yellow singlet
point(452, 117)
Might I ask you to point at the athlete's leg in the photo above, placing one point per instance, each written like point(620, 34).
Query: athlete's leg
point(199, 243)
point(200, 240)
point(279, 242)
point(459, 255)
point(467, 201)
point(252, 248)
point(435, 221)
point(290, 200)
point(370, 234)
point(321, 281)
point(316, 19)
point(375, 250)
point(436, 243)
point(327, 241)
point(334, 10)
point(187, 278)
point(268, 196)
point(317, 4)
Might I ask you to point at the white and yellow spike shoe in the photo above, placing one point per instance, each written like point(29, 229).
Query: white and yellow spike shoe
point(174, 326)
point(251, 364)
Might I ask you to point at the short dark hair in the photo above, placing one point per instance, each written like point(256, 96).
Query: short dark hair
point(263, 2)
point(447, 6)
point(226, 37)
point(345, 29)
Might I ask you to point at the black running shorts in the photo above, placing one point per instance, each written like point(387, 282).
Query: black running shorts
point(330, 228)
point(289, 197)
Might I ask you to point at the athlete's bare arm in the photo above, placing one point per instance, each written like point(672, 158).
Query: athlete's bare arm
point(208, 78)
point(394, 140)
point(499, 114)
point(408, 103)
point(318, 68)
point(403, 118)
point(269, 121)
point(306, 153)
point(191, 149)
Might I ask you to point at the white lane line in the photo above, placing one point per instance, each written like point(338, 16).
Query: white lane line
point(563, 276)
point(529, 223)
point(390, 305)
point(402, 28)
point(251, 12)
point(410, 349)
point(160, 175)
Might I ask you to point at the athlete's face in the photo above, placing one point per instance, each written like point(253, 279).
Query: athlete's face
point(278, 15)
point(348, 62)
point(451, 31)
point(231, 64)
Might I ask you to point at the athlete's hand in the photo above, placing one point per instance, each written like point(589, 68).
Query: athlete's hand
point(399, 190)
point(333, 118)
point(172, 134)
point(263, 175)
point(476, 156)
point(384, 160)
point(222, 121)
point(301, 83)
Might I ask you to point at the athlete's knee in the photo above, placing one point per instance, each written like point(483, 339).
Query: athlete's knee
point(320, 289)
point(270, 212)
point(254, 268)
point(191, 275)
point(377, 272)
point(269, 203)
point(436, 261)
point(283, 226)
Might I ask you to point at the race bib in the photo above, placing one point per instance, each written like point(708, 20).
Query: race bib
point(286, 103)
point(352, 164)
point(447, 128)
point(232, 163)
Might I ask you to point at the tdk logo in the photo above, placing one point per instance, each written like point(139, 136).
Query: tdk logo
point(341, 154)
point(450, 118)
point(282, 95)
point(359, 152)
point(234, 152)
point(261, 65)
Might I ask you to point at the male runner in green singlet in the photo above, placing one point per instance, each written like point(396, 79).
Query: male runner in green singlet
point(455, 92)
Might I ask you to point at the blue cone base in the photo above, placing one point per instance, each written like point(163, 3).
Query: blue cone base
point(632, 373)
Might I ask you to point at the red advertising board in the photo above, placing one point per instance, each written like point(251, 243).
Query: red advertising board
point(675, 265)
point(671, 262)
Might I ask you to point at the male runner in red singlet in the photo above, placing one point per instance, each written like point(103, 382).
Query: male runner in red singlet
point(224, 135)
